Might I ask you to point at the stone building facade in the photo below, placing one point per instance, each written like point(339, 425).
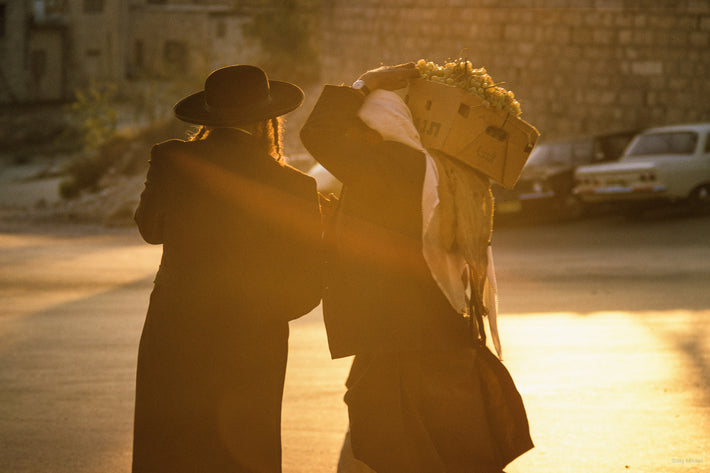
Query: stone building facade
point(52, 47)
point(187, 39)
point(577, 66)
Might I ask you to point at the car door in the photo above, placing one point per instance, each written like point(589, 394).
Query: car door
point(701, 163)
point(686, 171)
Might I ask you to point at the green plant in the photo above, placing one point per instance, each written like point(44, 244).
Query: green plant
point(94, 114)
point(93, 120)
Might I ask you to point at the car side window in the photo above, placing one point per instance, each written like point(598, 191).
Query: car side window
point(664, 143)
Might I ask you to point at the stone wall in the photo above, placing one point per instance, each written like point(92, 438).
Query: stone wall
point(577, 66)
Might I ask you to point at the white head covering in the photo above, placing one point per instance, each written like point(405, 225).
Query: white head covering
point(386, 112)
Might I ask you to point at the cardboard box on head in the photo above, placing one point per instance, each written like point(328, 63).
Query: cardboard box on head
point(463, 126)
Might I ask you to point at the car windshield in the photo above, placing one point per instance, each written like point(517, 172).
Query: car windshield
point(562, 153)
point(682, 142)
point(550, 154)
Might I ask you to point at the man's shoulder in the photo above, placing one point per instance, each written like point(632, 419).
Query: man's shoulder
point(297, 180)
point(168, 147)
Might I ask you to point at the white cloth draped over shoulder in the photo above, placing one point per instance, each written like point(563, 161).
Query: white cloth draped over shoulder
point(455, 204)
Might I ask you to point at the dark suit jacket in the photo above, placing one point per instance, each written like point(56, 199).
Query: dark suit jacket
point(380, 295)
point(241, 257)
point(233, 220)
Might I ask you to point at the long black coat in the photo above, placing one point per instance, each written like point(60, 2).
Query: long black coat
point(380, 294)
point(241, 257)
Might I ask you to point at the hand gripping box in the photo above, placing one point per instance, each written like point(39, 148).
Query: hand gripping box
point(463, 126)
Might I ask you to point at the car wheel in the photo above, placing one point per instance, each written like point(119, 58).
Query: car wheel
point(572, 207)
point(700, 198)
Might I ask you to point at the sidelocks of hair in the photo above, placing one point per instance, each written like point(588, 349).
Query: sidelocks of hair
point(277, 139)
point(270, 134)
point(199, 133)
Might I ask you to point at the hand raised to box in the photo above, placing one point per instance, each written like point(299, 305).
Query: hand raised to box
point(390, 77)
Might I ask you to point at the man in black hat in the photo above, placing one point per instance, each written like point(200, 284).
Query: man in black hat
point(241, 257)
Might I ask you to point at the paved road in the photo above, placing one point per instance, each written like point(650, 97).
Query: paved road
point(604, 325)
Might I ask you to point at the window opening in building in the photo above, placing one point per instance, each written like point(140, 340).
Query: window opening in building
point(175, 56)
point(2, 20)
point(138, 55)
point(93, 6)
point(38, 64)
point(56, 7)
point(221, 29)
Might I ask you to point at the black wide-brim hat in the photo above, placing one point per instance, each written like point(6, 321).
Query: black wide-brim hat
point(238, 95)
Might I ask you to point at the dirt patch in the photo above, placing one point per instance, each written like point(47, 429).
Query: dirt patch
point(33, 185)
point(28, 194)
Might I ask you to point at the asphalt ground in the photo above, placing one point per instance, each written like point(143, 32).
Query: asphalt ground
point(604, 326)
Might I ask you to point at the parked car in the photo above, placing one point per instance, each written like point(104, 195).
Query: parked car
point(547, 179)
point(668, 164)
